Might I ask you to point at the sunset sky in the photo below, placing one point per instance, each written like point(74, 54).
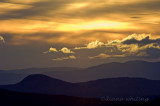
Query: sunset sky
point(77, 33)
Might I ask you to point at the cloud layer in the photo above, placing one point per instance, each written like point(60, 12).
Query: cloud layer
point(135, 45)
point(79, 32)
point(76, 22)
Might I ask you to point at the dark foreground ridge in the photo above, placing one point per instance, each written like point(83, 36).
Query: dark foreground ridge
point(10, 98)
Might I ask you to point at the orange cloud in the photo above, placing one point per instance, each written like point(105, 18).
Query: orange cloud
point(135, 45)
point(6, 7)
point(66, 50)
point(78, 21)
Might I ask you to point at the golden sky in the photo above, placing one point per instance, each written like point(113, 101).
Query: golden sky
point(73, 19)
point(77, 30)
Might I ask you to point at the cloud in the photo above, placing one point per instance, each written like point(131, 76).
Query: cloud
point(133, 46)
point(51, 50)
point(142, 39)
point(24, 1)
point(105, 56)
point(65, 58)
point(63, 50)
point(2, 39)
point(66, 50)
point(95, 44)
point(136, 45)
point(9, 7)
point(139, 42)
point(83, 27)
point(142, 54)
point(101, 56)
point(87, 9)
point(91, 45)
point(51, 15)
point(82, 21)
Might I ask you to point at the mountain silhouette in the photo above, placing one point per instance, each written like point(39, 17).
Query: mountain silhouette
point(141, 69)
point(114, 87)
point(15, 76)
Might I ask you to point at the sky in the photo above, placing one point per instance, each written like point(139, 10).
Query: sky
point(77, 33)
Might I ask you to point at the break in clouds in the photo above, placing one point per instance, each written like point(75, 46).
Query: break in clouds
point(133, 46)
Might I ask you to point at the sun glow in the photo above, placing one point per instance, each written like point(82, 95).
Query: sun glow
point(77, 5)
point(95, 25)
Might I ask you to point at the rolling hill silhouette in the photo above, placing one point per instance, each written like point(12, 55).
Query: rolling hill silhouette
point(141, 69)
point(114, 87)
point(15, 76)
